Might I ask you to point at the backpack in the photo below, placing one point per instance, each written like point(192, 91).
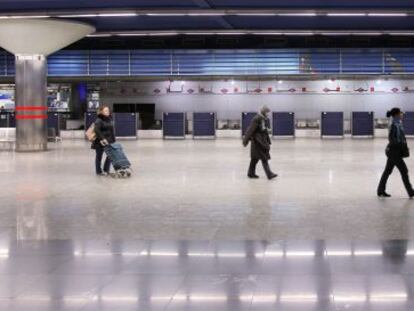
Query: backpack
point(90, 133)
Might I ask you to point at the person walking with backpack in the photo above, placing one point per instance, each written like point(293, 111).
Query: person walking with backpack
point(104, 131)
point(396, 151)
point(258, 135)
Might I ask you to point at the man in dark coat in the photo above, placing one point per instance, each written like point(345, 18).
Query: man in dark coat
point(258, 134)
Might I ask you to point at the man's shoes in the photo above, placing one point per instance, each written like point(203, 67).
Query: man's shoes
point(384, 195)
point(254, 176)
point(273, 175)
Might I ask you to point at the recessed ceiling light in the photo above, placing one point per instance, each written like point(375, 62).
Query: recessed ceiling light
point(256, 14)
point(346, 14)
point(117, 14)
point(388, 14)
point(297, 14)
point(78, 15)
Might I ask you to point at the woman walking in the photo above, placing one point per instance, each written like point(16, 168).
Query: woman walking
point(104, 130)
point(396, 151)
point(258, 134)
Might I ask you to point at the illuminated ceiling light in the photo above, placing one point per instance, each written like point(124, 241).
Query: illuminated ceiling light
point(116, 14)
point(368, 33)
point(78, 15)
point(199, 33)
point(230, 33)
point(280, 81)
point(35, 16)
point(232, 82)
point(299, 33)
point(378, 81)
point(268, 33)
point(132, 34)
point(24, 16)
point(346, 14)
point(388, 14)
point(166, 14)
point(98, 35)
point(206, 14)
point(297, 14)
point(182, 82)
point(256, 14)
point(336, 33)
point(401, 33)
point(163, 34)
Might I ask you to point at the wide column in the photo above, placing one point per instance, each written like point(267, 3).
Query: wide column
point(31, 41)
point(31, 106)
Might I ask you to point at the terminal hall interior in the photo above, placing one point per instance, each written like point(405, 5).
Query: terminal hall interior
point(131, 133)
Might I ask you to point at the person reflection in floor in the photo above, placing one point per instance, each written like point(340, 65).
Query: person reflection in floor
point(258, 135)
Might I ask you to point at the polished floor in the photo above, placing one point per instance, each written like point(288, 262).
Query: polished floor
point(189, 231)
point(198, 190)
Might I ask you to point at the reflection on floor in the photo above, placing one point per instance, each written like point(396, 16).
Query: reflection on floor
point(202, 275)
point(189, 231)
point(198, 190)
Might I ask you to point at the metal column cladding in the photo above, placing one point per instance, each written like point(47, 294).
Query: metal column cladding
point(31, 108)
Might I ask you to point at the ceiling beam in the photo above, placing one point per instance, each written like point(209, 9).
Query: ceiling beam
point(205, 12)
point(255, 32)
point(221, 19)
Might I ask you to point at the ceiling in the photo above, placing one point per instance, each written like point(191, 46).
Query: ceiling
point(201, 18)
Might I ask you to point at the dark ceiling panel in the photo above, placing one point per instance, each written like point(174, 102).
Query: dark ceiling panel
point(322, 23)
point(379, 4)
point(12, 5)
point(153, 23)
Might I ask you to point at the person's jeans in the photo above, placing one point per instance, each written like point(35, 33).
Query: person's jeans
point(98, 161)
point(402, 167)
point(266, 167)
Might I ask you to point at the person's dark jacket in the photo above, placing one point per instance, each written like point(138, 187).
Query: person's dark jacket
point(104, 129)
point(257, 133)
point(396, 140)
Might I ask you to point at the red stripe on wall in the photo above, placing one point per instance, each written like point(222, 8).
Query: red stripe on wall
point(31, 108)
point(31, 117)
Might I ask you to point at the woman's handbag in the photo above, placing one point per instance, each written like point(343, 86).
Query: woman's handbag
point(90, 133)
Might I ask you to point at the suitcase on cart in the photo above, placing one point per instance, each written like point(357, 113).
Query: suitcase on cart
point(120, 162)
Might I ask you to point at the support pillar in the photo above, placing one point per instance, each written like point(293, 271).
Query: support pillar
point(31, 106)
point(31, 41)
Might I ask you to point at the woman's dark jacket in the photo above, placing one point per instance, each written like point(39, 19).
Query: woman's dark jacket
point(258, 134)
point(104, 129)
point(397, 141)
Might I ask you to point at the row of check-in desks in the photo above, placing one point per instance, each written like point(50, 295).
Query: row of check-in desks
point(204, 123)
point(54, 120)
point(283, 124)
